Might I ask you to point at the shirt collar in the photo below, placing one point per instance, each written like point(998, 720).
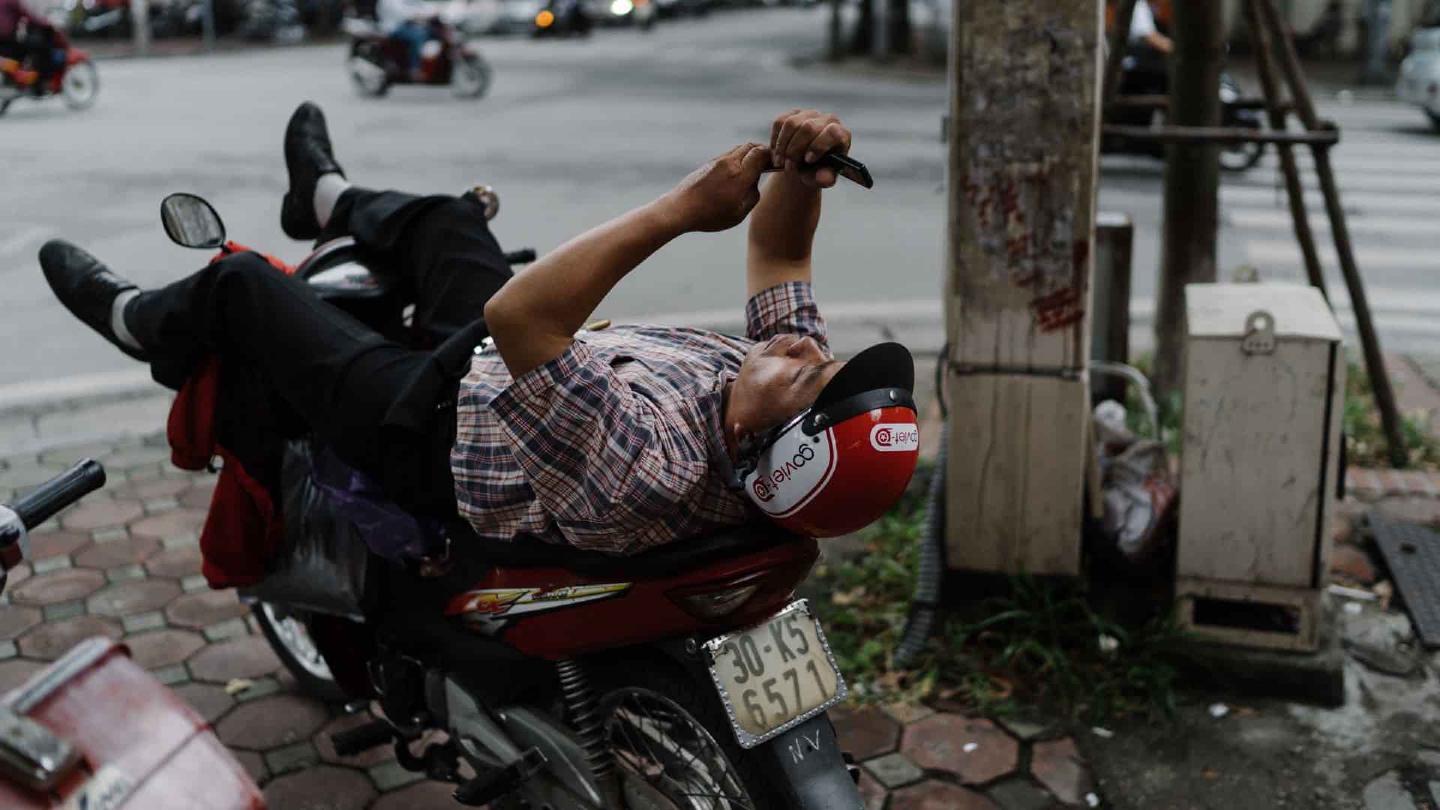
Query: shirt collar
point(712, 404)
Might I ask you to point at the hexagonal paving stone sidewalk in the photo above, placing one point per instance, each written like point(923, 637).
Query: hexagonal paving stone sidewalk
point(124, 563)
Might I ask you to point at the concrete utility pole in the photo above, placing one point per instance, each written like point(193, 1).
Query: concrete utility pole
point(1023, 135)
point(1192, 180)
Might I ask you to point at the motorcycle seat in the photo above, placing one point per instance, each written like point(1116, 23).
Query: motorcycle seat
point(681, 555)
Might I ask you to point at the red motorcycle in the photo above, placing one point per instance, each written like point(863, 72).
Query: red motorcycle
point(75, 80)
point(684, 677)
point(93, 729)
point(378, 61)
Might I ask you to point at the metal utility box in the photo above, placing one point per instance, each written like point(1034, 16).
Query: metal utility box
point(1264, 391)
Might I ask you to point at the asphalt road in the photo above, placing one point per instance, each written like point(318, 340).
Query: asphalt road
point(575, 132)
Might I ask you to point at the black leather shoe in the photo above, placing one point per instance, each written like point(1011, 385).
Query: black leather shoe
point(307, 156)
point(86, 287)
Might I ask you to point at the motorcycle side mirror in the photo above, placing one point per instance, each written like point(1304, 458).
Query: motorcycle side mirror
point(191, 222)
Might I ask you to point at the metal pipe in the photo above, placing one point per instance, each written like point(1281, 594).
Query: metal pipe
point(1294, 191)
point(1220, 135)
point(1364, 323)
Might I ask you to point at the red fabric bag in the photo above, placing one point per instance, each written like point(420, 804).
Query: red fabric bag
point(244, 527)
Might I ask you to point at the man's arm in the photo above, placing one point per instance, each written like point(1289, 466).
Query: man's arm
point(534, 317)
point(782, 231)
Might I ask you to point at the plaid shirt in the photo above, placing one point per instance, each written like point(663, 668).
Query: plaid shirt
point(616, 445)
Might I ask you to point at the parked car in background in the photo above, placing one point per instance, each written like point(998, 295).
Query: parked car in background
point(1419, 81)
point(621, 12)
point(682, 8)
point(562, 18)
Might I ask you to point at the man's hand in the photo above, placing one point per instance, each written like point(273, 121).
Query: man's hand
point(801, 137)
point(719, 195)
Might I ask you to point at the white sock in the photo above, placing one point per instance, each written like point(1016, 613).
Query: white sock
point(117, 319)
point(327, 192)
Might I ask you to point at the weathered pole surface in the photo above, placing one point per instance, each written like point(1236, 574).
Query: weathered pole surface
point(1274, 106)
point(1340, 231)
point(1192, 181)
point(1025, 83)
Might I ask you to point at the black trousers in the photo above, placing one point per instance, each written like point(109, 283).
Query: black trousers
point(292, 363)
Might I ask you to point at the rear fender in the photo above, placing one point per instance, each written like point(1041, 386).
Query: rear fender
point(75, 56)
point(807, 762)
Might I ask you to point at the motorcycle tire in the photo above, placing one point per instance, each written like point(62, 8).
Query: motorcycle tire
point(659, 687)
point(1241, 157)
point(5, 105)
point(1434, 119)
point(471, 77)
point(81, 85)
point(290, 639)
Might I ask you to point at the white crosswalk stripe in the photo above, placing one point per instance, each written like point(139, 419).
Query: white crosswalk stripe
point(1390, 189)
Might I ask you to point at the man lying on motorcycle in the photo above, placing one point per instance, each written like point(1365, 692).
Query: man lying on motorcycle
point(614, 440)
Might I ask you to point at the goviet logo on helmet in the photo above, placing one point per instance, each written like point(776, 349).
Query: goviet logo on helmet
point(842, 463)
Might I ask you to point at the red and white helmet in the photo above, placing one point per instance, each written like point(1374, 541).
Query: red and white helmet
point(840, 464)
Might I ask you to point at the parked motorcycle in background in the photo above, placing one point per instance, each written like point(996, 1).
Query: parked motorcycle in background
point(75, 79)
point(272, 21)
point(377, 61)
point(1145, 75)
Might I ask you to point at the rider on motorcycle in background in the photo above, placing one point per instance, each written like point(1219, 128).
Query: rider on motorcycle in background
point(404, 20)
point(615, 440)
point(36, 44)
point(1147, 50)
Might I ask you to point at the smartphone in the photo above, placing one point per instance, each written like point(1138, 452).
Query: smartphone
point(848, 168)
point(844, 166)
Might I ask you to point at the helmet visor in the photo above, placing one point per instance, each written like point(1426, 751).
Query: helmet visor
point(884, 365)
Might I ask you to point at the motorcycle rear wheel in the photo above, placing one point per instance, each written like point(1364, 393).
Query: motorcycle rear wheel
point(672, 744)
point(367, 71)
point(81, 85)
point(470, 78)
point(1241, 157)
point(290, 638)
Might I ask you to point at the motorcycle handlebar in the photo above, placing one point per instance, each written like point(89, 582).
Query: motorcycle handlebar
point(59, 492)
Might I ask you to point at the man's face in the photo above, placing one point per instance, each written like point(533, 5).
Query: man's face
point(779, 378)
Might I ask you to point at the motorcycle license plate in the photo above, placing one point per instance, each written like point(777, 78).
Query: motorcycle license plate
point(775, 675)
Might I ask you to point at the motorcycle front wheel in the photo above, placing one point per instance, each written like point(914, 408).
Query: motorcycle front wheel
point(471, 76)
point(81, 85)
point(672, 744)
